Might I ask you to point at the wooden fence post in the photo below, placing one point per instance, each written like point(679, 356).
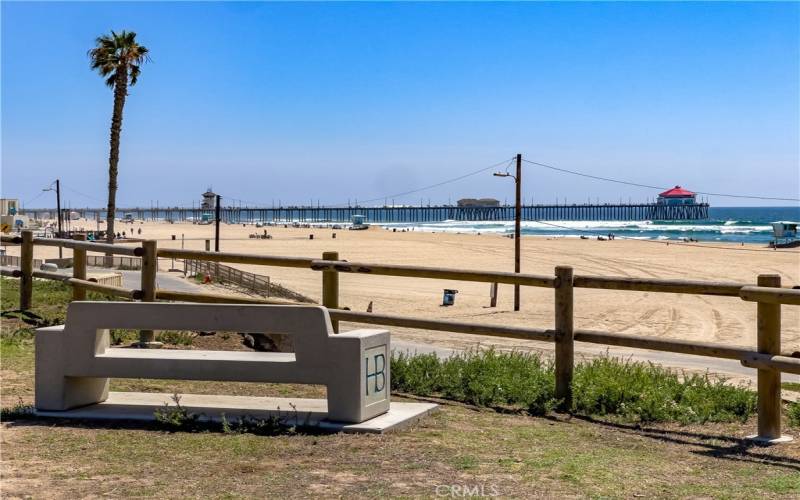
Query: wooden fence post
point(149, 270)
point(330, 287)
point(26, 266)
point(565, 343)
point(769, 381)
point(493, 295)
point(79, 268)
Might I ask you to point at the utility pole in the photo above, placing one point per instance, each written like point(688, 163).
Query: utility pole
point(517, 222)
point(518, 229)
point(58, 211)
point(216, 232)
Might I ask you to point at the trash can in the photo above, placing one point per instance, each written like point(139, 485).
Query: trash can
point(449, 297)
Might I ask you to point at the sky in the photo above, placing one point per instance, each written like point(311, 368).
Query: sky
point(329, 103)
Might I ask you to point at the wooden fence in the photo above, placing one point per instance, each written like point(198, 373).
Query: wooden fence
point(226, 274)
point(14, 261)
point(131, 263)
point(766, 357)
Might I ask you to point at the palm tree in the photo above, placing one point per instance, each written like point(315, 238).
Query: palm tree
point(117, 57)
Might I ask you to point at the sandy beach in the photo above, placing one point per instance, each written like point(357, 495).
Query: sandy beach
point(718, 319)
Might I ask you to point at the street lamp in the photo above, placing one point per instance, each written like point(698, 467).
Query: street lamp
point(58, 209)
point(517, 226)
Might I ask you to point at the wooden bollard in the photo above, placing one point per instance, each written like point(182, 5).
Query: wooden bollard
point(565, 343)
point(769, 381)
point(26, 266)
point(493, 295)
point(330, 287)
point(149, 271)
point(79, 268)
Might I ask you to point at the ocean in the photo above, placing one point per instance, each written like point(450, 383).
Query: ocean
point(725, 224)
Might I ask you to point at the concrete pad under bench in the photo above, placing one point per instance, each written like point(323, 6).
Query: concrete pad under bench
point(308, 413)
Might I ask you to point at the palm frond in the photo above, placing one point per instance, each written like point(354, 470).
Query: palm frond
point(118, 51)
point(134, 74)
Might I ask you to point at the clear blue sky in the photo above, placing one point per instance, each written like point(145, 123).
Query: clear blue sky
point(340, 101)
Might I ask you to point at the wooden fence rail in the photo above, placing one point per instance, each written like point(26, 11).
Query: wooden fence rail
point(769, 294)
point(123, 262)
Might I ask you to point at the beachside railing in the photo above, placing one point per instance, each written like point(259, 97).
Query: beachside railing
point(768, 292)
point(117, 262)
point(226, 274)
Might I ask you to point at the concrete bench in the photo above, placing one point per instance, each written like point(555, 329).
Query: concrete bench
point(74, 361)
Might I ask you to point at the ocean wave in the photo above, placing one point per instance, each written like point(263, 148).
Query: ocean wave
point(709, 230)
point(589, 226)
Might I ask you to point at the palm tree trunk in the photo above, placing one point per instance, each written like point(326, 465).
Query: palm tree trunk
point(120, 92)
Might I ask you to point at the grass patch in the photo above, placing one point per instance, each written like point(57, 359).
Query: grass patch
point(793, 414)
point(19, 411)
point(791, 386)
point(50, 299)
point(605, 386)
point(176, 418)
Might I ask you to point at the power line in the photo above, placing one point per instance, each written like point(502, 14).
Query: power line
point(608, 179)
point(82, 194)
point(442, 183)
point(406, 193)
point(28, 202)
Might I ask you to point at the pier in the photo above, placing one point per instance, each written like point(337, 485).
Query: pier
point(390, 214)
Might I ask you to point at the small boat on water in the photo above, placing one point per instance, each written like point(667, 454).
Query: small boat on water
point(357, 223)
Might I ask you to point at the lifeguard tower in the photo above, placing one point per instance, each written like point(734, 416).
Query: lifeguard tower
point(208, 206)
point(357, 223)
point(785, 234)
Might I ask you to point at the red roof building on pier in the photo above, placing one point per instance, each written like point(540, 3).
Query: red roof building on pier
point(677, 196)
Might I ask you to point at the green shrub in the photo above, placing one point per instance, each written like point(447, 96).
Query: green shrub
point(19, 411)
point(176, 418)
point(420, 374)
point(793, 413)
point(171, 337)
point(119, 336)
point(274, 425)
point(484, 378)
point(651, 393)
point(604, 386)
point(176, 337)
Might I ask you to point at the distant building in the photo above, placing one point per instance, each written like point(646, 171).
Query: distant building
point(482, 202)
point(677, 196)
point(10, 217)
point(209, 200)
point(9, 206)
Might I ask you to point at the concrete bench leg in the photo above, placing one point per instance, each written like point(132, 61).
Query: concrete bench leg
point(360, 384)
point(54, 390)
